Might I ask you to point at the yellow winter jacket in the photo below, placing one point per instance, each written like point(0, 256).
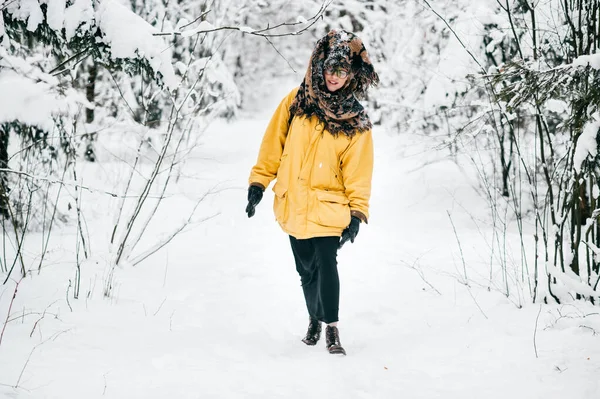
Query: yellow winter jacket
point(321, 180)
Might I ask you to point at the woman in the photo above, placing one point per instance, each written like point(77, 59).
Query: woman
point(319, 146)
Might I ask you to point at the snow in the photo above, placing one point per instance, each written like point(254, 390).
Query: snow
point(219, 313)
point(455, 62)
point(129, 36)
point(24, 88)
point(25, 96)
point(79, 16)
point(203, 26)
point(246, 29)
point(592, 60)
point(586, 143)
point(557, 106)
point(432, 305)
point(55, 14)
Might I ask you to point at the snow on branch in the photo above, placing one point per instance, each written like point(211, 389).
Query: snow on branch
point(24, 88)
point(586, 142)
point(129, 36)
point(572, 281)
point(592, 60)
point(81, 26)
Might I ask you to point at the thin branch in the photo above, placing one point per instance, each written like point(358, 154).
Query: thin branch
point(53, 337)
point(67, 296)
point(535, 332)
point(462, 256)
point(10, 308)
point(421, 274)
point(120, 92)
point(54, 70)
point(281, 55)
point(261, 32)
point(455, 35)
point(5, 5)
point(204, 14)
point(160, 306)
point(75, 185)
point(171, 236)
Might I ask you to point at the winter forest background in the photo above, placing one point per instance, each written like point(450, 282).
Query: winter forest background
point(507, 90)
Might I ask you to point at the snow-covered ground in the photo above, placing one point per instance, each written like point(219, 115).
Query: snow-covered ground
point(220, 312)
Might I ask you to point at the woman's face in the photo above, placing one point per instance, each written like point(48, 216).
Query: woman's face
point(335, 78)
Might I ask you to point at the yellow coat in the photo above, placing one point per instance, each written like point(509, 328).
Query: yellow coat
point(321, 180)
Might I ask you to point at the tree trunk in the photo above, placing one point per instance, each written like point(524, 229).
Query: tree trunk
point(4, 133)
point(90, 94)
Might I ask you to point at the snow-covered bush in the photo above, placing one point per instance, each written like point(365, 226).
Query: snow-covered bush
point(531, 120)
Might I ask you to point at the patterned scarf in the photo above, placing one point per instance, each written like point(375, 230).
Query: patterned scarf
point(339, 111)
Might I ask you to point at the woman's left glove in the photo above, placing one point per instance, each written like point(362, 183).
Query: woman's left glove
point(255, 194)
point(351, 231)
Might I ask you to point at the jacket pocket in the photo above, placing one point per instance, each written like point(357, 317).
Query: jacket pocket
point(331, 209)
point(280, 202)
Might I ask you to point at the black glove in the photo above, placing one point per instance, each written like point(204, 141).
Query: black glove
point(255, 194)
point(351, 231)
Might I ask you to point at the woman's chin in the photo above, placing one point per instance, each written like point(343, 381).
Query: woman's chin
point(332, 88)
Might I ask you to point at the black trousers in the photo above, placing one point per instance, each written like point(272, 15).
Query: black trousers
point(316, 263)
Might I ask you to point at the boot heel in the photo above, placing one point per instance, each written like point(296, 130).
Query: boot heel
point(332, 336)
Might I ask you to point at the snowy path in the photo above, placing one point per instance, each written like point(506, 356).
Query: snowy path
point(221, 314)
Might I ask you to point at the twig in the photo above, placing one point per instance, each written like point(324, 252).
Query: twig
point(160, 306)
point(161, 244)
point(105, 385)
point(261, 32)
point(40, 319)
point(122, 202)
point(594, 332)
point(535, 332)
point(54, 181)
point(204, 14)
point(19, 255)
point(120, 92)
point(421, 274)
point(462, 256)
point(47, 240)
point(53, 337)
point(67, 61)
point(456, 36)
point(166, 270)
point(3, 6)
point(67, 296)
point(281, 55)
point(475, 301)
point(10, 308)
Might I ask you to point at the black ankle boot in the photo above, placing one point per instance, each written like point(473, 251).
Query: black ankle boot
point(313, 333)
point(332, 336)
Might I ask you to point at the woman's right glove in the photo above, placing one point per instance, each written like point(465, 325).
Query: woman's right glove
point(255, 194)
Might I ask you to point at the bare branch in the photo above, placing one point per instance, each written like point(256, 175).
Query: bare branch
point(262, 32)
point(535, 332)
point(421, 274)
point(456, 36)
point(74, 184)
point(10, 308)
